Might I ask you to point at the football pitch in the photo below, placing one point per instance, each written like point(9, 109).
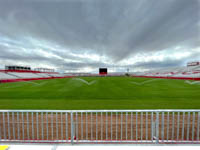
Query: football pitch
point(92, 93)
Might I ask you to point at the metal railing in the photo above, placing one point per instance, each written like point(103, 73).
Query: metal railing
point(100, 126)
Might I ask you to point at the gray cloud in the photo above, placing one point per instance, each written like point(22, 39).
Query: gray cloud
point(111, 29)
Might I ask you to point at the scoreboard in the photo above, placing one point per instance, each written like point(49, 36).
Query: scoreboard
point(103, 71)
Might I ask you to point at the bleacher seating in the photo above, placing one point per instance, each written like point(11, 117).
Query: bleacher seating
point(4, 76)
point(56, 75)
point(43, 75)
point(27, 75)
point(24, 75)
point(175, 72)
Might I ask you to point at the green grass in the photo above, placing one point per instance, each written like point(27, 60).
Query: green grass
point(105, 93)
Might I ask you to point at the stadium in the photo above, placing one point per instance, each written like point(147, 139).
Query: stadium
point(120, 95)
point(108, 72)
point(46, 89)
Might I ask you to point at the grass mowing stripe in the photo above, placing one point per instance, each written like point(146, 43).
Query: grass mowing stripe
point(106, 93)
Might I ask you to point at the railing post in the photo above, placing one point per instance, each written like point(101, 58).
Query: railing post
point(72, 129)
point(157, 127)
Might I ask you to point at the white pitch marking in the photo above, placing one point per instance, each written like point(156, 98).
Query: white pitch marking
point(141, 83)
point(36, 84)
point(11, 86)
point(40, 84)
point(191, 83)
point(84, 81)
point(19, 85)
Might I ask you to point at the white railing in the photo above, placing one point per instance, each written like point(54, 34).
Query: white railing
point(100, 126)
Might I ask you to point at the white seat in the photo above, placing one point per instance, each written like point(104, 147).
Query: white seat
point(24, 75)
point(6, 76)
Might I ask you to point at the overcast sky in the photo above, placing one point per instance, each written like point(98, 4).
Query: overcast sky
point(83, 35)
